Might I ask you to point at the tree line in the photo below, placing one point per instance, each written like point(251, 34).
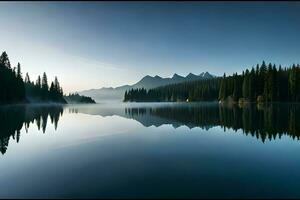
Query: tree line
point(200, 90)
point(13, 89)
point(76, 98)
point(263, 83)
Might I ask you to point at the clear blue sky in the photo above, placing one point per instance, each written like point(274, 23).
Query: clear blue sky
point(95, 44)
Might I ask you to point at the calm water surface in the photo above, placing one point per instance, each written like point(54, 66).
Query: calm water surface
point(163, 150)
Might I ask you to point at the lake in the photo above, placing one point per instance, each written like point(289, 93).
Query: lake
point(150, 150)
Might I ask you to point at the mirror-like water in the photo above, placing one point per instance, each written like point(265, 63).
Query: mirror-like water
point(141, 150)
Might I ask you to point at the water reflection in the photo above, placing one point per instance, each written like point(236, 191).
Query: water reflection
point(268, 122)
point(13, 118)
point(155, 162)
point(263, 122)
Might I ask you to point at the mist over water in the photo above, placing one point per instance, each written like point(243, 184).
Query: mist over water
point(150, 150)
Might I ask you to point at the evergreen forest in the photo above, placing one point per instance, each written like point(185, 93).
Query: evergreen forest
point(15, 89)
point(263, 83)
point(76, 98)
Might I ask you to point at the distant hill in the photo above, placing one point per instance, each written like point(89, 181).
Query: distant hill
point(147, 82)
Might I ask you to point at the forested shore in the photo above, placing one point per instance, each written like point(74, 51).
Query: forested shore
point(76, 98)
point(14, 89)
point(263, 83)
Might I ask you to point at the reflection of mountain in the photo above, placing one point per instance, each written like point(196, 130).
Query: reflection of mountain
point(146, 82)
point(268, 122)
point(13, 118)
point(145, 119)
point(176, 116)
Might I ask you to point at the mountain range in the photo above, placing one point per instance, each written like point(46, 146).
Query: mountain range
point(147, 82)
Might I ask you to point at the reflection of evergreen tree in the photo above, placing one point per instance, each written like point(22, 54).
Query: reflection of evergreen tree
point(73, 110)
point(294, 120)
point(266, 122)
point(13, 118)
point(38, 122)
point(44, 121)
point(3, 144)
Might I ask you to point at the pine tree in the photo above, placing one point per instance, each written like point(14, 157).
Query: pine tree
point(292, 83)
point(4, 60)
point(246, 87)
point(45, 87)
point(222, 93)
point(27, 78)
point(45, 82)
point(19, 73)
point(252, 85)
point(38, 82)
point(237, 91)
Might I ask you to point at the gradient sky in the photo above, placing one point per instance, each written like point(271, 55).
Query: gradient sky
point(95, 44)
